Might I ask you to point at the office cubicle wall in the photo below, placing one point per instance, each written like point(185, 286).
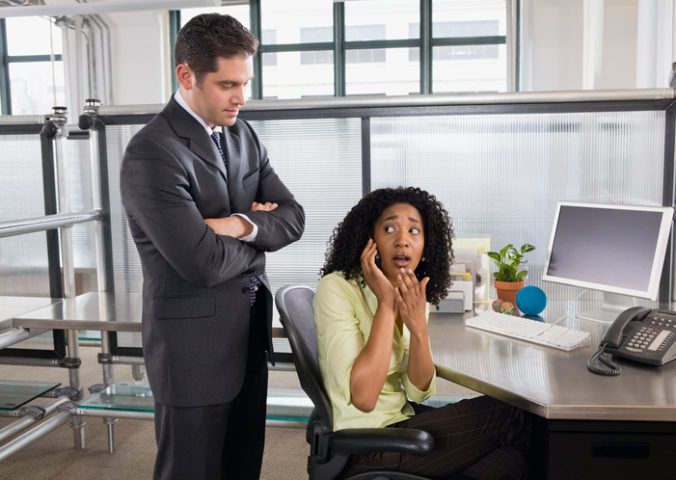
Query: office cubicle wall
point(23, 259)
point(498, 162)
point(28, 184)
point(501, 175)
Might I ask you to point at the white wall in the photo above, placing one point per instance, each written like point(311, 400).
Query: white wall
point(139, 57)
point(553, 43)
point(619, 44)
point(551, 51)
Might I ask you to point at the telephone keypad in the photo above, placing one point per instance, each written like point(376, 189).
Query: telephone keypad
point(643, 337)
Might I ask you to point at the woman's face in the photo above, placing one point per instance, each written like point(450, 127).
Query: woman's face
point(400, 238)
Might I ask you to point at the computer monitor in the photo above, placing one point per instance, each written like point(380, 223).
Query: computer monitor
point(617, 249)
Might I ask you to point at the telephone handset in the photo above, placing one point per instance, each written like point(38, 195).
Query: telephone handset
point(638, 334)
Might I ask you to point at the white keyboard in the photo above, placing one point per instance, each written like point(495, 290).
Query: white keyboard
point(546, 334)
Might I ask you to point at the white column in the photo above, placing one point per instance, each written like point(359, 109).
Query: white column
point(526, 47)
point(592, 44)
point(664, 54)
point(166, 59)
point(646, 44)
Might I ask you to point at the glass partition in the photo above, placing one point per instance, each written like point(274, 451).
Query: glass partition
point(499, 163)
point(500, 176)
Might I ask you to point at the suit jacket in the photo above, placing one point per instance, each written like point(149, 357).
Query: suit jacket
point(196, 311)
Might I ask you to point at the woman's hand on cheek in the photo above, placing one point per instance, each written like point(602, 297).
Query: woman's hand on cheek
point(374, 276)
point(412, 299)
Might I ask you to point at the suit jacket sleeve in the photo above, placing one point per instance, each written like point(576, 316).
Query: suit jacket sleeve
point(155, 191)
point(284, 225)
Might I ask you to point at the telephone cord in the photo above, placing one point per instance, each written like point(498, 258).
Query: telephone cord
point(614, 368)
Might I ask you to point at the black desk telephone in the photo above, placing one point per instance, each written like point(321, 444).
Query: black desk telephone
point(638, 334)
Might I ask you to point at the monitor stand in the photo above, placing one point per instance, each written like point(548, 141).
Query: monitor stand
point(613, 305)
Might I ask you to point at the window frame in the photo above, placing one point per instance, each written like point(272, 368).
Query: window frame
point(339, 46)
point(5, 63)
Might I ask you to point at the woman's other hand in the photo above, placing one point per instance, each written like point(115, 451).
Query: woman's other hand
point(412, 300)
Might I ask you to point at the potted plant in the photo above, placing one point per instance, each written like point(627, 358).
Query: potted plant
point(509, 279)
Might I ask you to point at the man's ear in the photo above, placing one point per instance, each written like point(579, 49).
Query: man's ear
point(185, 76)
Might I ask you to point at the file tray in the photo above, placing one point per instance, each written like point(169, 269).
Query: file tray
point(122, 396)
point(16, 394)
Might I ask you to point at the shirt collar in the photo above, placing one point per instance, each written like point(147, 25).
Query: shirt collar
point(181, 101)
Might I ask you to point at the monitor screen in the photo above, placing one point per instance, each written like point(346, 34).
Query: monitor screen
point(613, 248)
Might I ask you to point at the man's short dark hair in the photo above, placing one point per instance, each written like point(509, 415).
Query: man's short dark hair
point(209, 36)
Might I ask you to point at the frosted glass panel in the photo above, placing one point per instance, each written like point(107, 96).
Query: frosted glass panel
point(79, 189)
point(127, 276)
point(500, 176)
point(23, 265)
point(23, 259)
point(20, 177)
point(319, 160)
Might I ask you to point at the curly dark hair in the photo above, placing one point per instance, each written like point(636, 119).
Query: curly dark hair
point(351, 235)
point(209, 36)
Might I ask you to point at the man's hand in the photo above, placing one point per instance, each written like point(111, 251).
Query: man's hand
point(266, 207)
point(233, 226)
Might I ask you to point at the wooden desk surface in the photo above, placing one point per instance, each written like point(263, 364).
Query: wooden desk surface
point(547, 382)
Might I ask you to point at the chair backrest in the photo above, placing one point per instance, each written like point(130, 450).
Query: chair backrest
point(294, 303)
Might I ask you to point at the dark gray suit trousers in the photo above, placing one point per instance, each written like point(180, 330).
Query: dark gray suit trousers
point(191, 443)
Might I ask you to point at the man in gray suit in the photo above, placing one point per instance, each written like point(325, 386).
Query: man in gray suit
point(203, 211)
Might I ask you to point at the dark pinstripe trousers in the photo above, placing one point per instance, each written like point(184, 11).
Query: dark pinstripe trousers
point(480, 438)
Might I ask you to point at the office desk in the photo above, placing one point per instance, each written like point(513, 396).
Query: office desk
point(592, 424)
point(89, 311)
point(11, 306)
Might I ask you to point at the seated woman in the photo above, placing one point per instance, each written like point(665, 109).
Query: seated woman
point(387, 259)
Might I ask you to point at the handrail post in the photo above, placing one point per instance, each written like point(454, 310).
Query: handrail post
point(54, 129)
point(87, 121)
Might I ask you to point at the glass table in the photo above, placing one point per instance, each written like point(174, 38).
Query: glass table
point(122, 396)
point(16, 394)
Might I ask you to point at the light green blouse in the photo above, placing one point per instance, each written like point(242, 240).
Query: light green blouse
point(344, 314)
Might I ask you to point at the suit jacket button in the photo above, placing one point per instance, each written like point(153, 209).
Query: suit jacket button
point(245, 290)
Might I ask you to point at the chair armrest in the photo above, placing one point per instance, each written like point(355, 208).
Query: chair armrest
point(364, 440)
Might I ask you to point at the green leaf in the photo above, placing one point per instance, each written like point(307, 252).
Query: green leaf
point(505, 249)
point(521, 275)
point(527, 247)
point(494, 256)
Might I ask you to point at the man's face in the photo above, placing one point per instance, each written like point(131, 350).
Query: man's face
point(219, 95)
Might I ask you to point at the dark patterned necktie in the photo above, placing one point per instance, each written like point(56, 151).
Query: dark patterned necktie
point(216, 137)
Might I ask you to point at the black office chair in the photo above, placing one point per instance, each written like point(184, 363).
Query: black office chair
point(330, 450)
